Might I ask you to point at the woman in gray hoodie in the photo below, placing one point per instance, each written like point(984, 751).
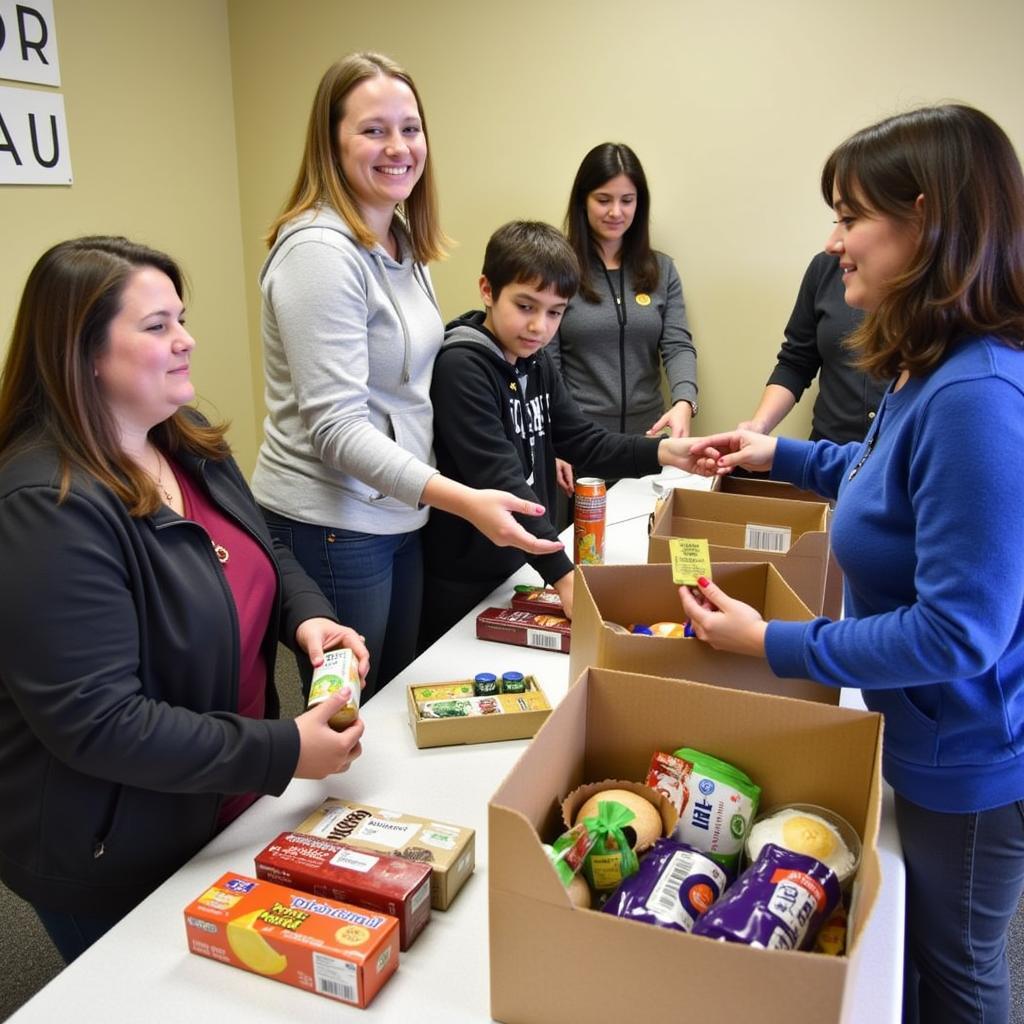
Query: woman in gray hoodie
point(350, 331)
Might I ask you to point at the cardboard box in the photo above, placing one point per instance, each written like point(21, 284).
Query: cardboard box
point(322, 945)
point(723, 520)
point(586, 965)
point(377, 881)
point(516, 716)
point(448, 849)
point(525, 629)
point(832, 600)
point(645, 593)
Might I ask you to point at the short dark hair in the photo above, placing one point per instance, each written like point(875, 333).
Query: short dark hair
point(599, 166)
point(531, 251)
point(966, 278)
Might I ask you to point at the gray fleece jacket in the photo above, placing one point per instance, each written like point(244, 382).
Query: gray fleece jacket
point(349, 340)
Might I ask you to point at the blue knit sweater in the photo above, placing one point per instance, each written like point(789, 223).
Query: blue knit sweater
point(927, 529)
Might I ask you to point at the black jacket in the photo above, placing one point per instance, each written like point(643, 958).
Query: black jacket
point(119, 662)
point(487, 435)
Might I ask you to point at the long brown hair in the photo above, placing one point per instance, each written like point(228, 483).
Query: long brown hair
point(48, 390)
point(321, 181)
point(600, 165)
point(966, 278)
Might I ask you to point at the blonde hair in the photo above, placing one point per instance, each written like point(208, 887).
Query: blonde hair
point(321, 182)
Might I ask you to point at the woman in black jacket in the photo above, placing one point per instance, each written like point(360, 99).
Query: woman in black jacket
point(142, 603)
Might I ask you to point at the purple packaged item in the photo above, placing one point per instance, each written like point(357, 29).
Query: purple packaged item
point(674, 886)
point(779, 902)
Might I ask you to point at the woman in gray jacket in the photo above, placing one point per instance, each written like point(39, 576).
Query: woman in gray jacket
point(350, 332)
point(629, 318)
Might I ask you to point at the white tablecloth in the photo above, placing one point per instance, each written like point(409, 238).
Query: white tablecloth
point(142, 970)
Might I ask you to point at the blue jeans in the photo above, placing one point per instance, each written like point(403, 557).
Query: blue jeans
point(965, 873)
point(375, 583)
point(73, 934)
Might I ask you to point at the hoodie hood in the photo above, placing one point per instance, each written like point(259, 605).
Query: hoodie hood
point(469, 329)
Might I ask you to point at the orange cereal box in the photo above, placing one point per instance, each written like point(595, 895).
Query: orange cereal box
point(323, 945)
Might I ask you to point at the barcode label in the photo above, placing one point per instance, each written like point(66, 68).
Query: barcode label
point(768, 538)
point(542, 638)
point(664, 900)
point(335, 978)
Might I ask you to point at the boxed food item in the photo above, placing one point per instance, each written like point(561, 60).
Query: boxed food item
point(543, 600)
point(625, 594)
point(438, 721)
point(791, 535)
point(525, 629)
point(311, 942)
point(376, 881)
point(448, 849)
point(607, 726)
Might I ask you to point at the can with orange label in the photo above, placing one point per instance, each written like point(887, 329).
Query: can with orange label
point(588, 521)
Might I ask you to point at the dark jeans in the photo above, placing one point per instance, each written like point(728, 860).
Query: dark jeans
point(374, 581)
point(447, 601)
point(965, 873)
point(73, 934)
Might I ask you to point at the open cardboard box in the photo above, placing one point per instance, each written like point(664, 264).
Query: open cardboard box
point(722, 519)
point(551, 962)
point(512, 724)
point(645, 593)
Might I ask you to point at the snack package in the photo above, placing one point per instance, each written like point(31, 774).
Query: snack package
point(311, 942)
point(569, 851)
point(669, 774)
point(469, 707)
point(340, 669)
point(831, 939)
point(673, 887)
point(720, 809)
point(611, 859)
point(779, 902)
point(444, 691)
point(536, 599)
point(377, 881)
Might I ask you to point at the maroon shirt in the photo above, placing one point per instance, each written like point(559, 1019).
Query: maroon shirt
point(250, 577)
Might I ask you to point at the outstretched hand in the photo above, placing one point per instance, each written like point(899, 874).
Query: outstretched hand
point(744, 448)
point(723, 622)
point(491, 514)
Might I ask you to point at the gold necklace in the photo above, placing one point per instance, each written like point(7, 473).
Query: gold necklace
point(219, 550)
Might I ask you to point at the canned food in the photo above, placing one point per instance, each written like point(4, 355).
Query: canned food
point(591, 503)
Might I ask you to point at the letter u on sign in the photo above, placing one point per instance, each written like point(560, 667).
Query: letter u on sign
point(33, 138)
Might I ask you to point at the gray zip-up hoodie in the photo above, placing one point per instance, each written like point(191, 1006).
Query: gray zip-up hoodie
point(349, 340)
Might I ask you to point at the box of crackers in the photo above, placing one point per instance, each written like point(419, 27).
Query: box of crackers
point(525, 629)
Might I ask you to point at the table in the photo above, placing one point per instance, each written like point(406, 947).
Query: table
point(142, 968)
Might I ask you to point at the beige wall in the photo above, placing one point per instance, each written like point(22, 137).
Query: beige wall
point(147, 90)
point(185, 131)
point(732, 108)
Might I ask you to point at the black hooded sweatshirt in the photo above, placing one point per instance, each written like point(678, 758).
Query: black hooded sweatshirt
point(502, 425)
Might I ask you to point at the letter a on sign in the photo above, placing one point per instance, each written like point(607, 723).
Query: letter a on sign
point(33, 138)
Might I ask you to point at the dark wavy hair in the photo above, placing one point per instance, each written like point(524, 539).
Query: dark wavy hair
point(48, 391)
point(966, 277)
point(600, 165)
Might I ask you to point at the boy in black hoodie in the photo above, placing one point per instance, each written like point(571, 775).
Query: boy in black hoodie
point(501, 416)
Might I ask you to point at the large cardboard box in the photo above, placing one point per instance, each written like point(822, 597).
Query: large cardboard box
point(551, 962)
point(744, 528)
point(646, 593)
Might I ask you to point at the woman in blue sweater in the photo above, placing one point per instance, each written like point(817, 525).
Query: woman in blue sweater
point(930, 237)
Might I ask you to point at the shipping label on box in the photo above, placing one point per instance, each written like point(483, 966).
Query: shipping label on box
point(448, 849)
point(322, 945)
point(608, 726)
point(376, 881)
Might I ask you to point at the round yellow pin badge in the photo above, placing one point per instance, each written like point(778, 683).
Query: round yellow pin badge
point(643, 299)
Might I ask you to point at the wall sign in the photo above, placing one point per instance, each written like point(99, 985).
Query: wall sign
point(28, 42)
point(33, 138)
point(33, 128)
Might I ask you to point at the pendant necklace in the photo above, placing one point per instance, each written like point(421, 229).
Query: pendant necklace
point(219, 550)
